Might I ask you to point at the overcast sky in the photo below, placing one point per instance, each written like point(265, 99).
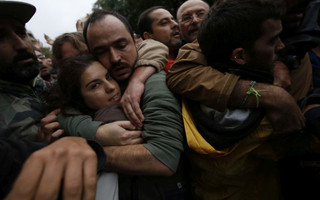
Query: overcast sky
point(54, 17)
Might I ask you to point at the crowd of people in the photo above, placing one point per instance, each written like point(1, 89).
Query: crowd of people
point(219, 102)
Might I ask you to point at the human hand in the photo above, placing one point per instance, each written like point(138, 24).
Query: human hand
point(79, 26)
point(69, 160)
point(48, 39)
point(284, 113)
point(130, 102)
point(50, 127)
point(282, 76)
point(118, 133)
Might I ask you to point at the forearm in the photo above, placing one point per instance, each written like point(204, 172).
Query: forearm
point(134, 159)
point(81, 125)
point(270, 95)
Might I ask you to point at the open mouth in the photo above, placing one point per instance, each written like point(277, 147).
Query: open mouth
point(115, 98)
point(176, 34)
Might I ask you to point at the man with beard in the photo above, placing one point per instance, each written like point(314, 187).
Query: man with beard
point(233, 150)
point(190, 15)
point(155, 162)
point(45, 65)
point(158, 24)
point(20, 107)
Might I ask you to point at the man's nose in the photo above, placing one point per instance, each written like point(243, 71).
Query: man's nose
point(114, 56)
point(174, 24)
point(18, 42)
point(279, 45)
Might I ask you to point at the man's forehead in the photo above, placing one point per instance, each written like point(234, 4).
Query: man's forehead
point(160, 13)
point(106, 31)
point(108, 20)
point(4, 20)
point(192, 5)
point(271, 27)
point(10, 23)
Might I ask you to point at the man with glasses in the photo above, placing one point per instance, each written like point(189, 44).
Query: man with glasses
point(190, 15)
point(45, 67)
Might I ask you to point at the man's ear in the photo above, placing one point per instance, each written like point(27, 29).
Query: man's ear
point(147, 35)
point(239, 56)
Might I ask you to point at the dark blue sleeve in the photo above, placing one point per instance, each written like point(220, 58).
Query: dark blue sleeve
point(13, 154)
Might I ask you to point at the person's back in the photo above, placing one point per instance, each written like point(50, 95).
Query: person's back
point(232, 165)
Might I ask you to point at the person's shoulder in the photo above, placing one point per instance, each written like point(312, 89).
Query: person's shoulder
point(156, 85)
point(151, 44)
point(191, 46)
point(157, 77)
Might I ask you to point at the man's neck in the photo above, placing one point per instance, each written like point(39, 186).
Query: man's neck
point(172, 53)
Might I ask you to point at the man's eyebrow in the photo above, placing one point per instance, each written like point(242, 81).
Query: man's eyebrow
point(122, 39)
point(98, 48)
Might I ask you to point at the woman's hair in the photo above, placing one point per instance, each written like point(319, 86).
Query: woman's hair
point(66, 93)
point(75, 38)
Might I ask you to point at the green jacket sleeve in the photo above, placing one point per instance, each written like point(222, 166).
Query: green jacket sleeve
point(80, 125)
point(163, 127)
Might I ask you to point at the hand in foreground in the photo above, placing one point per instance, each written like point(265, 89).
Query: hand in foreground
point(118, 133)
point(71, 160)
point(130, 103)
point(50, 127)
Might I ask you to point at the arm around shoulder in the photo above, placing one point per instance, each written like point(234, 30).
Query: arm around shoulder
point(152, 53)
point(191, 77)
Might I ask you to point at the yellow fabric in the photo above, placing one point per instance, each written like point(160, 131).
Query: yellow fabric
point(195, 140)
point(248, 170)
point(301, 79)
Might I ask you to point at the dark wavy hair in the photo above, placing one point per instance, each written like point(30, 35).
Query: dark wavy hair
point(235, 23)
point(66, 93)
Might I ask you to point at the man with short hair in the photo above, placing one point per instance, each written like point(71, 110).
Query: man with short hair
point(21, 109)
point(46, 70)
point(69, 158)
point(190, 15)
point(158, 24)
point(110, 38)
point(233, 153)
